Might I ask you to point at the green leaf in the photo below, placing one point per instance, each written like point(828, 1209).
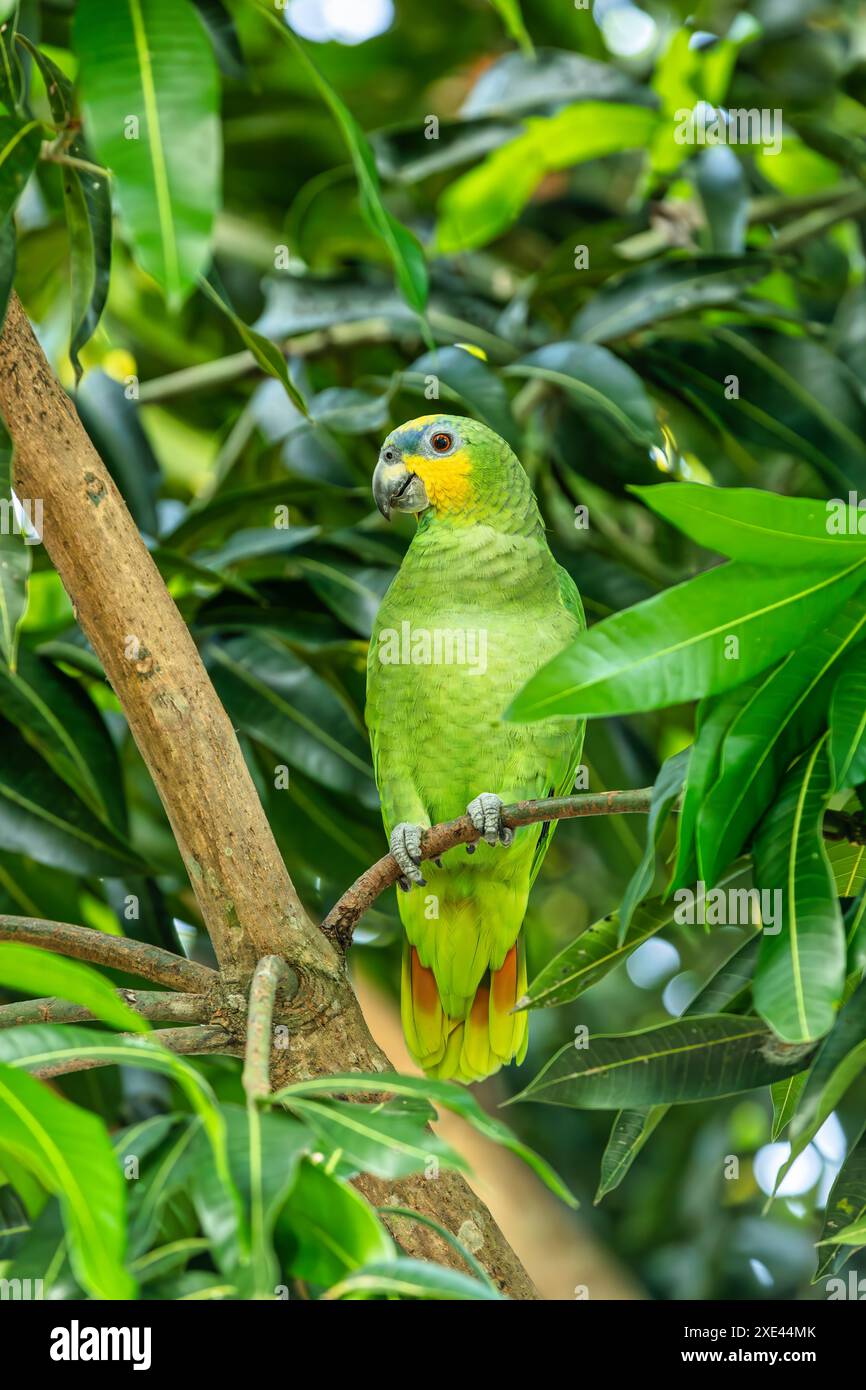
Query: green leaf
point(326, 1230)
point(513, 20)
point(266, 353)
point(264, 1154)
point(666, 789)
point(405, 1278)
point(846, 1203)
point(839, 1061)
point(8, 250)
point(278, 699)
point(20, 143)
point(223, 36)
point(484, 202)
point(632, 1128)
point(40, 816)
point(15, 557)
point(595, 381)
point(405, 250)
point(42, 1045)
point(678, 645)
point(149, 93)
point(759, 528)
point(629, 1132)
point(785, 1095)
point(714, 717)
point(67, 730)
point(781, 717)
point(587, 959)
point(848, 723)
point(446, 1093)
point(33, 971)
point(69, 1151)
point(387, 1141)
point(801, 970)
point(87, 199)
point(641, 297)
point(699, 1058)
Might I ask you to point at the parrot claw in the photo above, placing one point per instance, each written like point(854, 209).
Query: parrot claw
point(405, 845)
point(485, 813)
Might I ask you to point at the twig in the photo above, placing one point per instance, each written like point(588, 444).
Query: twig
point(269, 975)
point(152, 1004)
point(340, 922)
point(191, 1041)
point(346, 912)
point(120, 952)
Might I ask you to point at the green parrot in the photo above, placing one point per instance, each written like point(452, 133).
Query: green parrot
point(478, 605)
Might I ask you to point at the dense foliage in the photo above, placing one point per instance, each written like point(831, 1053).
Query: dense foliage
point(496, 213)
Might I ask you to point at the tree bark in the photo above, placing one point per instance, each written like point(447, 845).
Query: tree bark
point(246, 897)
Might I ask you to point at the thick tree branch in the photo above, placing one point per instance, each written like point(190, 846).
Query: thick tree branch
point(348, 910)
point(119, 952)
point(246, 897)
point(269, 975)
point(151, 1004)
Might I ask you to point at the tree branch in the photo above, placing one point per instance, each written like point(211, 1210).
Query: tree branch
point(347, 911)
point(269, 975)
point(246, 897)
point(191, 1041)
point(152, 1004)
point(119, 952)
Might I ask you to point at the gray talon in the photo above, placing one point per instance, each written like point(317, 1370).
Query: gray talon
point(485, 813)
point(405, 845)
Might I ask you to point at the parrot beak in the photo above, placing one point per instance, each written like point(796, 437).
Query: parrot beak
point(395, 488)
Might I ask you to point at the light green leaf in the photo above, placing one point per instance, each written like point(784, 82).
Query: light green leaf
point(759, 528)
point(69, 1151)
point(801, 971)
point(150, 93)
point(513, 20)
point(484, 202)
point(445, 1093)
point(848, 723)
point(326, 1230)
point(677, 645)
point(384, 1140)
point(32, 971)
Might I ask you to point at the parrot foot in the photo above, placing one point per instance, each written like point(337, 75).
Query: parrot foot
point(485, 813)
point(405, 845)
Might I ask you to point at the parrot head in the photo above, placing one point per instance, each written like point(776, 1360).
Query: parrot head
point(448, 465)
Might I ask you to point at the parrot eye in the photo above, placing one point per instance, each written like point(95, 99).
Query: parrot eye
point(441, 442)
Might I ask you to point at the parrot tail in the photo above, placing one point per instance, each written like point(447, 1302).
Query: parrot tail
point(488, 1036)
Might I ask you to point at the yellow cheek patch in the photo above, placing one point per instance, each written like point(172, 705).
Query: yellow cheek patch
point(446, 480)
